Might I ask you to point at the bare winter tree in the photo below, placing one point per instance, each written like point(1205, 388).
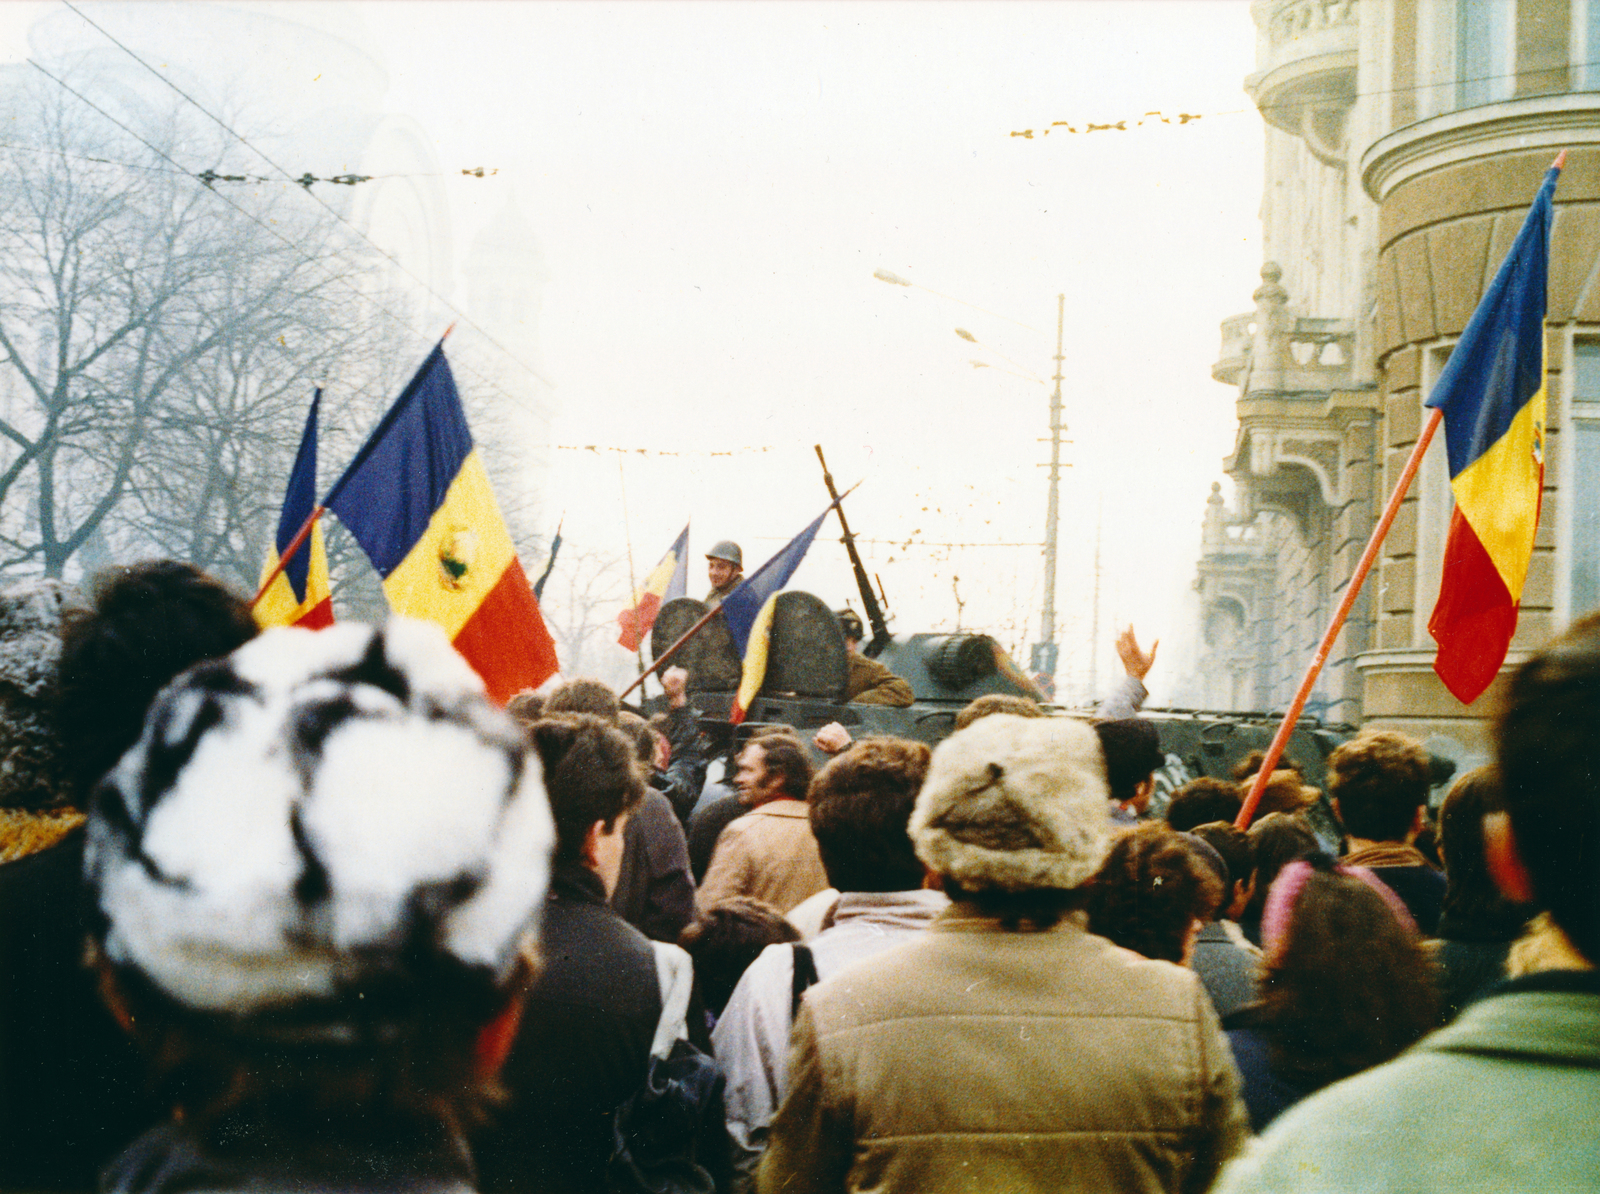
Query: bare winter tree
point(159, 346)
point(585, 593)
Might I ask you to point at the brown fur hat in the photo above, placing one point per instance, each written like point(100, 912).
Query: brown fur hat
point(1015, 804)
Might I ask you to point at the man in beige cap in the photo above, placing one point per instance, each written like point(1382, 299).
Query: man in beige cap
point(1006, 1048)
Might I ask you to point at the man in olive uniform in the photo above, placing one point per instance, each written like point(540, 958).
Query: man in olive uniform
point(870, 683)
point(725, 569)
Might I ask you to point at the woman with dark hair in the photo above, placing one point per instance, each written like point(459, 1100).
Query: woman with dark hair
point(1153, 894)
point(1478, 924)
point(1345, 985)
point(1275, 841)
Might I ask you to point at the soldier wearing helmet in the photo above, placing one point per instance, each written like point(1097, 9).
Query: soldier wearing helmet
point(870, 682)
point(725, 569)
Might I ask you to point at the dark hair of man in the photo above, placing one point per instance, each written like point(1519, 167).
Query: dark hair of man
point(1132, 749)
point(997, 702)
point(1380, 778)
point(584, 695)
point(1276, 840)
point(638, 730)
point(1150, 890)
point(146, 623)
point(527, 707)
point(1347, 987)
point(1472, 902)
point(1233, 843)
point(591, 772)
point(784, 757)
point(1549, 756)
point(860, 803)
point(1033, 910)
point(1247, 767)
point(725, 938)
point(1201, 801)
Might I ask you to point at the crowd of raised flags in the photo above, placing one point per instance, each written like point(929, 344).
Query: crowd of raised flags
point(417, 499)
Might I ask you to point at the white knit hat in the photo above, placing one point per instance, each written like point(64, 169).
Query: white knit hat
point(321, 814)
point(1015, 803)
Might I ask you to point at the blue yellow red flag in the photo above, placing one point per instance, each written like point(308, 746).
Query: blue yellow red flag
point(417, 499)
point(668, 579)
point(1492, 395)
point(748, 612)
point(300, 594)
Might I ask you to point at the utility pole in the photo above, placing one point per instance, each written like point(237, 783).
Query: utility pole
point(1045, 652)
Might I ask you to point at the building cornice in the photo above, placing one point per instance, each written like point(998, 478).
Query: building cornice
point(1552, 122)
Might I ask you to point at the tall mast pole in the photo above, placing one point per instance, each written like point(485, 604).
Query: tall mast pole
point(1047, 618)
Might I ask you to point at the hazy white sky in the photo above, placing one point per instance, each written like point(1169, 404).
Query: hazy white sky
point(713, 186)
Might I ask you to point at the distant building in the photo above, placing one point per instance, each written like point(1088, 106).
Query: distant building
point(1405, 140)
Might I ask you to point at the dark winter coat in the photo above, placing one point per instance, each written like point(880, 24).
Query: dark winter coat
point(582, 1048)
point(654, 892)
point(72, 1087)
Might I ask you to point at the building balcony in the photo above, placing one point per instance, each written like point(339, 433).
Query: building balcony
point(1550, 122)
point(1307, 52)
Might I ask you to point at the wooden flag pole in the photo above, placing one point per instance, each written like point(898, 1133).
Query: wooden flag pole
point(295, 544)
point(1351, 592)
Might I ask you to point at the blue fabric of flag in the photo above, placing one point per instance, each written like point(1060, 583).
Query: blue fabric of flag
point(678, 586)
point(299, 499)
point(387, 496)
point(1498, 364)
point(740, 607)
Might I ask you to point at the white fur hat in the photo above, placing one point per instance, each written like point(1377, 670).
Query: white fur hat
point(1015, 803)
point(319, 816)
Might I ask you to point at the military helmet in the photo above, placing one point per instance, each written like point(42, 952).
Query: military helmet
point(727, 550)
point(850, 624)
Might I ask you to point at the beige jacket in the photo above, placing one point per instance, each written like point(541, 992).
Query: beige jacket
point(768, 853)
point(979, 1059)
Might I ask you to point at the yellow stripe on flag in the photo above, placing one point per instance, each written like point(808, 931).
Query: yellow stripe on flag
point(1498, 493)
point(458, 559)
point(755, 655)
point(277, 606)
point(658, 580)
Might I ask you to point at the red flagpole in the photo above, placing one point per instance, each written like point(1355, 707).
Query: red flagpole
point(1351, 592)
point(295, 544)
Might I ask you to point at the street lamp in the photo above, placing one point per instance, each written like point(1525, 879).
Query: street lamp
point(1046, 652)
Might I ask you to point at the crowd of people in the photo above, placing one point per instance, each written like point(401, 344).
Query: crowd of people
point(302, 910)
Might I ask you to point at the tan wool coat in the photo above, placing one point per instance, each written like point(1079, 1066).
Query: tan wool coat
point(768, 853)
point(977, 1058)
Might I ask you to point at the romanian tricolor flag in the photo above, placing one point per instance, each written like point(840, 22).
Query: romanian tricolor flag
point(748, 613)
point(418, 501)
point(668, 579)
point(299, 595)
point(1492, 393)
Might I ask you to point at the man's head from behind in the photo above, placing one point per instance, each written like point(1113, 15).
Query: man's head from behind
point(583, 695)
point(1379, 781)
point(1014, 805)
point(772, 767)
point(1132, 748)
point(593, 775)
point(1549, 758)
point(145, 624)
point(327, 840)
point(860, 805)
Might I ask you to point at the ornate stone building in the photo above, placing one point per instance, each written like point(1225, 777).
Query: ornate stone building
point(1404, 142)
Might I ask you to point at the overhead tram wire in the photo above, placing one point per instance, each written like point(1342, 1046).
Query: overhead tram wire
point(330, 274)
point(462, 316)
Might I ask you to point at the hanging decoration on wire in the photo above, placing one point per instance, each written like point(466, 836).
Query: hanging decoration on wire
point(1118, 126)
